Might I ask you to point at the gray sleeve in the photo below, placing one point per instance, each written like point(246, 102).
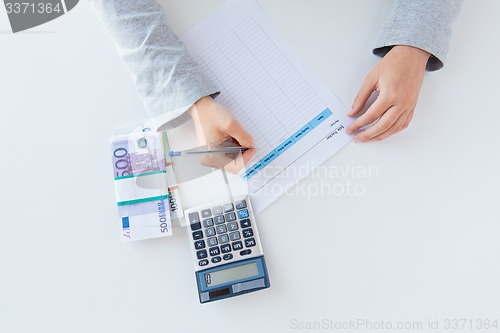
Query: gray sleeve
point(425, 24)
point(167, 78)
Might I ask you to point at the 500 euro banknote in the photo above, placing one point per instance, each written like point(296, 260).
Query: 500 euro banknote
point(140, 174)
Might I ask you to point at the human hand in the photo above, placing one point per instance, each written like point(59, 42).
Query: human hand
point(214, 124)
point(397, 78)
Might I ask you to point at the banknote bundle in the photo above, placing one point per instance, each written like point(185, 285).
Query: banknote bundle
point(176, 211)
point(142, 173)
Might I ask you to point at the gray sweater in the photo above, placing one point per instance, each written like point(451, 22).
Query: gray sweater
point(169, 81)
point(425, 24)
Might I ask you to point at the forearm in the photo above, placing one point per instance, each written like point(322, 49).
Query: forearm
point(167, 78)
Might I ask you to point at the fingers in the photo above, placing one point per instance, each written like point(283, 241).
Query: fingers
point(375, 111)
point(247, 155)
point(409, 118)
point(401, 124)
point(364, 93)
point(214, 124)
point(398, 78)
point(230, 164)
point(235, 130)
point(386, 121)
point(238, 164)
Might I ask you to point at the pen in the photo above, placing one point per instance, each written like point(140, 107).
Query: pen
point(227, 150)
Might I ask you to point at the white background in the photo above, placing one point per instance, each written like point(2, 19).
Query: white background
point(422, 242)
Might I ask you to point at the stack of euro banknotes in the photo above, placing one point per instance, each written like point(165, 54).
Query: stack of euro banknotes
point(146, 192)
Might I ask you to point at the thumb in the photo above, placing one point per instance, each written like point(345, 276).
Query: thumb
point(235, 130)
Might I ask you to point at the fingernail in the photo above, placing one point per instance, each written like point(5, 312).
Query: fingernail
point(350, 112)
point(357, 139)
point(348, 131)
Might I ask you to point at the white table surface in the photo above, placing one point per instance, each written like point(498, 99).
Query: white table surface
point(420, 241)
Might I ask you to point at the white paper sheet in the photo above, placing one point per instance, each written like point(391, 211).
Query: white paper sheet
point(296, 121)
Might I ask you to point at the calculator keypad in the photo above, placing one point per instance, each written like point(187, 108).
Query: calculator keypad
point(223, 233)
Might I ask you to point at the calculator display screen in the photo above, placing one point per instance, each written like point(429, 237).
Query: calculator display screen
point(231, 274)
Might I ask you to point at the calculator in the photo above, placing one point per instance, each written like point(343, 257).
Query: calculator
point(227, 253)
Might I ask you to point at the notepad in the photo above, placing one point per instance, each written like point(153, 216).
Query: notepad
point(296, 121)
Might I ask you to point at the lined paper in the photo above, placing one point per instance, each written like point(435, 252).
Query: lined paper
point(296, 121)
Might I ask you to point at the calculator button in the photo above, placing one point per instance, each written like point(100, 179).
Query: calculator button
point(228, 256)
point(206, 213)
point(217, 210)
point(237, 245)
point(228, 207)
point(245, 252)
point(197, 235)
point(234, 236)
point(221, 228)
point(243, 213)
point(223, 239)
point(194, 217)
point(210, 231)
point(208, 222)
point(214, 251)
point(230, 216)
point(216, 259)
point(241, 204)
point(199, 244)
point(245, 223)
point(202, 254)
point(249, 242)
point(212, 241)
point(219, 219)
point(225, 248)
point(203, 262)
point(247, 233)
point(195, 226)
point(232, 226)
